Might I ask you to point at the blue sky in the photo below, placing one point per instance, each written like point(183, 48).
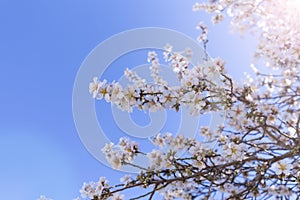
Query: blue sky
point(42, 46)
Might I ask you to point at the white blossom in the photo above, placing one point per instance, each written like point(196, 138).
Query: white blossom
point(282, 167)
point(42, 197)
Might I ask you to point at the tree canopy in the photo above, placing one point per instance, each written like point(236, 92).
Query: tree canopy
point(255, 153)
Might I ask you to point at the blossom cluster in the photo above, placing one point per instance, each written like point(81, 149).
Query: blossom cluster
point(123, 153)
point(176, 175)
point(275, 21)
point(98, 190)
point(196, 90)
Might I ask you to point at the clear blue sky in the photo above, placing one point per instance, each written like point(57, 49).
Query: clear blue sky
point(42, 45)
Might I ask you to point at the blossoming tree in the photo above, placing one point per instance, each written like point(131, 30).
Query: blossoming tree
point(255, 153)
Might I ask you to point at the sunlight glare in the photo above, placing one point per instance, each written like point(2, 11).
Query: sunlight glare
point(293, 5)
